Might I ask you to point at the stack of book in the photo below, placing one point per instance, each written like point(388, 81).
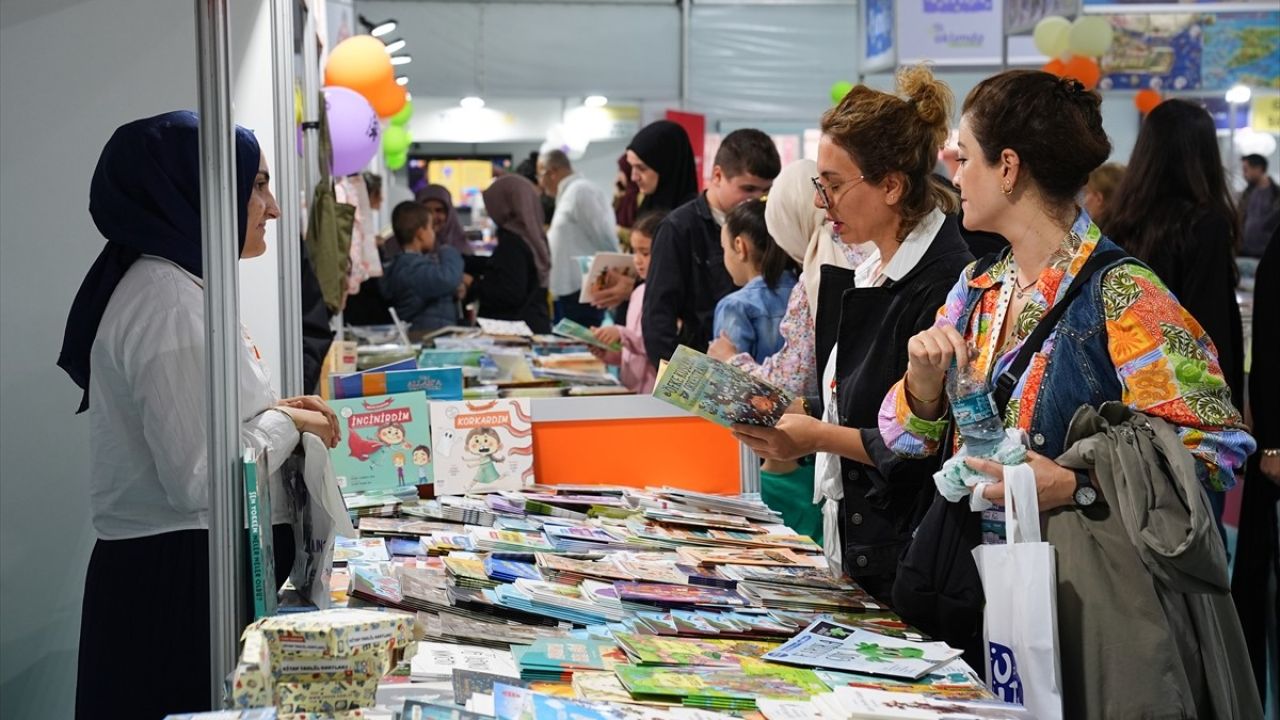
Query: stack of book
point(558, 660)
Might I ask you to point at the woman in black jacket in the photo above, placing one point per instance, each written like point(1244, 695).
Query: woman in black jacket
point(513, 283)
point(875, 164)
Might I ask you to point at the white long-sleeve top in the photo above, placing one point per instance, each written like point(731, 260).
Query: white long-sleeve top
point(583, 225)
point(147, 409)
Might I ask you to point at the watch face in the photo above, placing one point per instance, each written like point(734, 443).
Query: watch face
point(1085, 496)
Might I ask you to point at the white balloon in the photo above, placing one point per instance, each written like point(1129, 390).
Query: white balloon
point(1090, 35)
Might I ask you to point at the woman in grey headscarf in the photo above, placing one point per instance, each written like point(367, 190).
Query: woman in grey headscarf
point(444, 218)
point(513, 284)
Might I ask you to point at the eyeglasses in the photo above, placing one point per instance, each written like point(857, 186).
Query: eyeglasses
point(827, 202)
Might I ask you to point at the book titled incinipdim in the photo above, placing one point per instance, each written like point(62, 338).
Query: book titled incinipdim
point(718, 391)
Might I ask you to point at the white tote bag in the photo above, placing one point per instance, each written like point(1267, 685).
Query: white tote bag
point(1019, 580)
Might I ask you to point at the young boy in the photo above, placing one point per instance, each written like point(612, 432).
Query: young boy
point(422, 282)
point(687, 276)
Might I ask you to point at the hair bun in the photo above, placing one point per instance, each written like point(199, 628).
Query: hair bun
point(931, 99)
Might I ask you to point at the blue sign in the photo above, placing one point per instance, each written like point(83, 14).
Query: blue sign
point(1220, 109)
point(878, 22)
point(1005, 682)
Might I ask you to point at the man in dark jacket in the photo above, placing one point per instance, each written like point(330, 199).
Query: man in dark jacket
point(421, 282)
point(1259, 206)
point(687, 276)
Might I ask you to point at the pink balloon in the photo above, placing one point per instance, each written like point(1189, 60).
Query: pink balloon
point(353, 129)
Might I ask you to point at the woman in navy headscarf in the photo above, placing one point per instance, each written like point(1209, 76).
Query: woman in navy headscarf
point(135, 345)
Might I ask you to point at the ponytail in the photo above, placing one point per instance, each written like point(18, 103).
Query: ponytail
point(747, 221)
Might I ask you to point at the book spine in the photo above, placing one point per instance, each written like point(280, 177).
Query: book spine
point(254, 509)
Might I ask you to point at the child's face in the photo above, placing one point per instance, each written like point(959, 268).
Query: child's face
point(391, 435)
point(425, 239)
point(640, 245)
point(735, 260)
point(483, 445)
point(420, 457)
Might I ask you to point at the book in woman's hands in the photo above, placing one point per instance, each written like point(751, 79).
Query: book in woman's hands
point(570, 329)
point(718, 391)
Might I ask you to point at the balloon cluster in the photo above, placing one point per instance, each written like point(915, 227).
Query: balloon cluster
point(1074, 46)
point(396, 139)
point(360, 88)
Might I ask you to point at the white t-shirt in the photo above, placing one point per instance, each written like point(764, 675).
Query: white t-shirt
point(147, 409)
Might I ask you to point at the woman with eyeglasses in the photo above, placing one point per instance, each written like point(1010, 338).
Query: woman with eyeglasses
point(875, 182)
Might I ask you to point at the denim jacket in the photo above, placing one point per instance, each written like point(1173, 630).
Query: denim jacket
point(752, 315)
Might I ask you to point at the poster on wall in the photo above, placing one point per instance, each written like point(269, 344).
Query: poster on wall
point(950, 32)
point(1193, 51)
point(1022, 15)
point(877, 21)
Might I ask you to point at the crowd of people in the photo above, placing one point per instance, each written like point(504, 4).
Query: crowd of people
point(857, 282)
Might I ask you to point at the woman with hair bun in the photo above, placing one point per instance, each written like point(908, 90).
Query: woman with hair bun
point(875, 183)
point(1028, 141)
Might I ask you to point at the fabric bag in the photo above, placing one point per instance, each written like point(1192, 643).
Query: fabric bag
point(1019, 580)
point(329, 227)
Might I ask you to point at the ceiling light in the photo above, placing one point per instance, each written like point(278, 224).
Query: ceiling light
point(402, 81)
point(1239, 95)
point(401, 59)
point(383, 28)
point(471, 102)
point(395, 45)
point(595, 101)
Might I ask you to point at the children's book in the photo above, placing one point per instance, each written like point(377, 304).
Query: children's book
point(784, 576)
point(886, 705)
point(718, 391)
point(385, 442)
point(355, 550)
point(443, 383)
point(953, 681)
point(734, 687)
point(570, 329)
point(261, 546)
point(678, 595)
point(438, 660)
point(830, 645)
point(469, 682)
point(448, 357)
point(595, 277)
point(654, 650)
point(422, 710)
point(483, 446)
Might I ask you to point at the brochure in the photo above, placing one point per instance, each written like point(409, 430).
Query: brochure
point(830, 645)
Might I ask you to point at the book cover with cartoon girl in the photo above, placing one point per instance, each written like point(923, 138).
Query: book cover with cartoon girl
point(385, 443)
point(482, 446)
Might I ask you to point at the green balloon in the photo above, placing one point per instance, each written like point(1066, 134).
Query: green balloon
point(396, 161)
point(839, 90)
point(402, 118)
point(396, 140)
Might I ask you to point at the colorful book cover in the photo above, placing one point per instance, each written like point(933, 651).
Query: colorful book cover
point(595, 277)
point(739, 556)
point(570, 329)
point(512, 701)
point(367, 549)
point(953, 681)
point(830, 645)
point(563, 656)
point(385, 443)
point(865, 702)
point(261, 545)
point(547, 707)
point(753, 679)
point(469, 682)
point(437, 383)
point(422, 710)
point(678, 595)
point(718, 391)
point(484, 446)
point(655, 650)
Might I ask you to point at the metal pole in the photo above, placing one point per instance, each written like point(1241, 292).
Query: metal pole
point(287, 227)
point(218, 220)
point(310, 106)
point(684, 53)
point(748, 469)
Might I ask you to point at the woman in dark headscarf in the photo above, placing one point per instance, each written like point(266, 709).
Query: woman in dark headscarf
point(626, 196)
point(135, 344)
point(662, 165)
point(513, 284)
point(444, 218)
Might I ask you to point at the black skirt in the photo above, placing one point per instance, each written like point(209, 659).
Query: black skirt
point(144, 628)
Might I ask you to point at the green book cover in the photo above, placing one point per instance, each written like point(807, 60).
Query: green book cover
point(718, 391)
point(385, 442)
point(262, 562)
point(655, 650)
point(702, 685)
point(570, 329)
point(563, 655)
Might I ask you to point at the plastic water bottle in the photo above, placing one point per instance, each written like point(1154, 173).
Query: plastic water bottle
point(977, 420)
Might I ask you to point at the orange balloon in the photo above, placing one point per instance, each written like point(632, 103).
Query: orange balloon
point(1084, 69)
point(387, 99)
point(360, 63)
point(1055, 67)
point(1147, 100)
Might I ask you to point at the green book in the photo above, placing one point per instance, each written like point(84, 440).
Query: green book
point(728, 687)
point(570, 329)
point(262, 561)
point(718, 391)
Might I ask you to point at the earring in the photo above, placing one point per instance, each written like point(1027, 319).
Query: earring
point(1007, 189)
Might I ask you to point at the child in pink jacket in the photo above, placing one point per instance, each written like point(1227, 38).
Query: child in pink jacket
point(635, 370)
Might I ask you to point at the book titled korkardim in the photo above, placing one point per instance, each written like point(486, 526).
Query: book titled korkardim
point(718, 391)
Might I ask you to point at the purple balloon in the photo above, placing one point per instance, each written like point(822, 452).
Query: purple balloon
point(353, 129)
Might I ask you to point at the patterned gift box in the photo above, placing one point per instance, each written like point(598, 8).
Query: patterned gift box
point(335, 633)
point(325, 696)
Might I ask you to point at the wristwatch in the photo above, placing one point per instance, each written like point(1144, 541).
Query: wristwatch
point(1086, 494)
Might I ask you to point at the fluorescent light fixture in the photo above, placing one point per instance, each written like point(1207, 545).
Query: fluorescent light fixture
point(383, 28)
point(1239, 94)
point(395, 45)
point(401, 59)
point(595, 101)
point(402, 81)
point(471, 102)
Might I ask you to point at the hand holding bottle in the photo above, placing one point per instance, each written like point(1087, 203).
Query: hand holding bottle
point(929, 356)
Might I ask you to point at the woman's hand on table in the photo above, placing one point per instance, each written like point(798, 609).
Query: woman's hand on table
point(311, 414)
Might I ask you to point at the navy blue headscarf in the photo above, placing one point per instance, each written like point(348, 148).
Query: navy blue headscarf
point(145, 200)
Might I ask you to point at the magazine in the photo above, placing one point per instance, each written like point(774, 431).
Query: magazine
point(385, 442)
point(718, 391)
point(482, 447)
point(570, 329)
point(595, 277)
point(826, 644)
